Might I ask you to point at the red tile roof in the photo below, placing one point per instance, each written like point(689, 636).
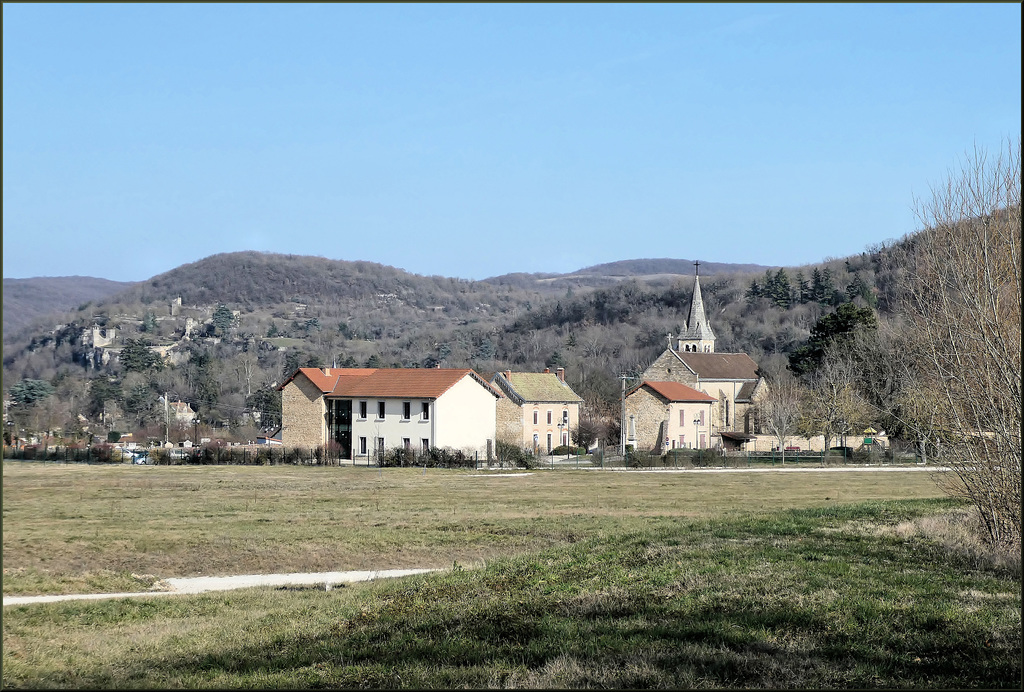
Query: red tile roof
point(676, 391)
point(384, 383)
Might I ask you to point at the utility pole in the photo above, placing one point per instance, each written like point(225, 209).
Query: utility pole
point(167, 419)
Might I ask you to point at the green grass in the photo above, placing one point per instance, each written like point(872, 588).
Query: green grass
point(820, 597)
point(562, 579)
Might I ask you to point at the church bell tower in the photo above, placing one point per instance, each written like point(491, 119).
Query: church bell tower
point(698, 337)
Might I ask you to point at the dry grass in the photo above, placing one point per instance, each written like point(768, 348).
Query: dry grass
point(79, 528)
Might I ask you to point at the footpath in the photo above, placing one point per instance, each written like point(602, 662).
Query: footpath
point(195, 585)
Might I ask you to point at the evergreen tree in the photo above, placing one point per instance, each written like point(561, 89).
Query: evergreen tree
point(223, 318)
point(802, 289)
point(136, 356)
point(28, 392)
point(836, 326)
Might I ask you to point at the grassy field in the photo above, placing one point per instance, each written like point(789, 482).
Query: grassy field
point(578, 579)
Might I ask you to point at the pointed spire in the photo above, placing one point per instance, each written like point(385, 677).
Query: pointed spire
point(697, 326)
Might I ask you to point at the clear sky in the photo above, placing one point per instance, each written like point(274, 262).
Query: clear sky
point(477, 140)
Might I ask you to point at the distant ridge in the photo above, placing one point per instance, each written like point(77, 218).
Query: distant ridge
point(645, 267)
point(27, 300)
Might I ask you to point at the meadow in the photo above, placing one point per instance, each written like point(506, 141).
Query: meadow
point(557, 579)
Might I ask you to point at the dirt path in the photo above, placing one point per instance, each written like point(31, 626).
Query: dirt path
point(195, 585)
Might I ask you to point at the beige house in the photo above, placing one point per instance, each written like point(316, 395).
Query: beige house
point(366, 410)
point(732, 379)
point(662, 416)
point(538, 410)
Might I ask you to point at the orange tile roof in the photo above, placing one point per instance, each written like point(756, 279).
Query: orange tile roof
point(409, 383)
point(676, 391)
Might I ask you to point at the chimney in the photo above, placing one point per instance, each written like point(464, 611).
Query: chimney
point(508, 375)
point(547, 370)
point(327, 371)
point(561, 374)
point(438, 366)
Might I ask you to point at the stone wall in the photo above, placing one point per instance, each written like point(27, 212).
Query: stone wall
point(303, 414)
point(649, 411)
point(510, 422)
point(668, 368)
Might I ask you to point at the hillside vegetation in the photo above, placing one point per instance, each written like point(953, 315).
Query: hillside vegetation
point(230, 326)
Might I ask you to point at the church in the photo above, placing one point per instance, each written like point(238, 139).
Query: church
point(732, 379)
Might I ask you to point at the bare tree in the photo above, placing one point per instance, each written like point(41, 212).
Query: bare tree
point(779, 411)
point(963, 301)
point(834, 407)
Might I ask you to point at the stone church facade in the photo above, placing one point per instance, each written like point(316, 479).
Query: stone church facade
point(732, 379)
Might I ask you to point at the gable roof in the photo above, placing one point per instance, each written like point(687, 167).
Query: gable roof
point(544, 387)
point(385, 383)
point(675, 391)
point(720, 366)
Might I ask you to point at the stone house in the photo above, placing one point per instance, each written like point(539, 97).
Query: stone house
point(368, 410)
point(668, 415)
point(538, 410)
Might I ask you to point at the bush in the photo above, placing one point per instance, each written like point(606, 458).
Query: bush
point(564, 450)
point(508, 453)
point(636, 459)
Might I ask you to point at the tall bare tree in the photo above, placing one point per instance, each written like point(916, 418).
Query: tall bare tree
point(834, 407)
point(779, 411)
point(963, 300)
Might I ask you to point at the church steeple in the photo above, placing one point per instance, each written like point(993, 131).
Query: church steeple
point(698, 336)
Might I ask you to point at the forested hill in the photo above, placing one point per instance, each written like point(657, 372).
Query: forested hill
point(245, 319)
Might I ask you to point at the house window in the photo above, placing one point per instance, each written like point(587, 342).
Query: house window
point(549, 417)
point(536, 417)
point(549, 437)
point(406, 444)
point(682, 417)
point(380, 445)
point(425, 445)
point(362, 445)
point(362, 410)
point(565, 416)
point(426, 411)
point(702, 417)
point(727, 419)
point(380, 409)
point(406, 410)
point(682, 440)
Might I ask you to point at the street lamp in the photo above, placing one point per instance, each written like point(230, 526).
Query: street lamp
point(696, 422)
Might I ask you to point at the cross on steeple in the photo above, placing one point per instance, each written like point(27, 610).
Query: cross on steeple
point(697, 268)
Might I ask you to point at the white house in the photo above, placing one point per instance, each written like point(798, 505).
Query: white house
point(364, 410)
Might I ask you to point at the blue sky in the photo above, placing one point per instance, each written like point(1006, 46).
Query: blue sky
point(477, 140)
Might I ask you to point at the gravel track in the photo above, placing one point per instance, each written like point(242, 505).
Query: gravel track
point(195, 585)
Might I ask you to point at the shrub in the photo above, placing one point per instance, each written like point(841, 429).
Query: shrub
point(508, 453)
point(563, 450)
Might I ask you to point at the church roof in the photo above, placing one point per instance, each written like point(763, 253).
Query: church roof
point(720, 366)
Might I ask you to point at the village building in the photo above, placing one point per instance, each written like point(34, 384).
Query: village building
point(538, 410)
point(663, 416)
point(732, 379)
point(365, 411)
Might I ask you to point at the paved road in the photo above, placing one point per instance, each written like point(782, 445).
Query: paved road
point(195, 585)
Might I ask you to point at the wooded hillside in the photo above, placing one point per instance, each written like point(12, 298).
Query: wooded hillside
point(246, 319)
